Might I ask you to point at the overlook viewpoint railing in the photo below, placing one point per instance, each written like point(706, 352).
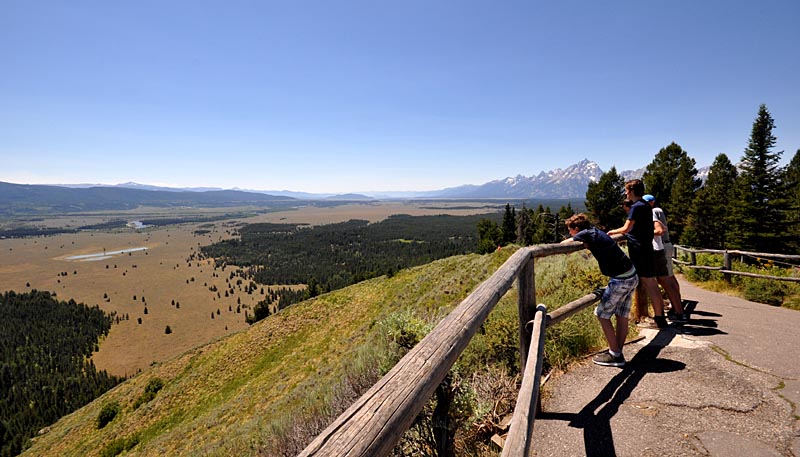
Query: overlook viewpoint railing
point(374, 424)
point(727, 261)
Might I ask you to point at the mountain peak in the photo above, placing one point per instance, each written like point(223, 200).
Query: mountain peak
point(570, 182)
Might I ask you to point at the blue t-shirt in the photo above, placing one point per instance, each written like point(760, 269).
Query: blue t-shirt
point(610, 258)
point(641, 235)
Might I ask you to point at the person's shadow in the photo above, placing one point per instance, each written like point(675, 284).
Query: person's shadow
point(598, 438)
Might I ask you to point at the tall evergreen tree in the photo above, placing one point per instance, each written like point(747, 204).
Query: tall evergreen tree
point(604, 200)
point(709, 215)
point(791, 180)
point(672, 178)
point(760, 206)
point(489, 236)
point(524, 227)
point(509, 226)
point(660, 174)
point(563, 214)
point(681, 198)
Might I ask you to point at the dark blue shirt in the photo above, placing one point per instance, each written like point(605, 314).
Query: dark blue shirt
point(641, 235)
point(610, 258)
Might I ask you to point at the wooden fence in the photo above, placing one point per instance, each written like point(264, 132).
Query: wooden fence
point(374, 424)
point(727, 259)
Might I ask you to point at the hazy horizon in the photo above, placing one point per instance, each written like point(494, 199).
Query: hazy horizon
point(415, 96)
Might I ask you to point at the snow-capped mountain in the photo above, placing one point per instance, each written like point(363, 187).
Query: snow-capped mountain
point(567, 183)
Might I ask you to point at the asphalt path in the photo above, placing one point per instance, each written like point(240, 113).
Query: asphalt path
point(726, 384)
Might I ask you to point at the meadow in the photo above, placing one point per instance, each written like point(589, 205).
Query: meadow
point(154, 272)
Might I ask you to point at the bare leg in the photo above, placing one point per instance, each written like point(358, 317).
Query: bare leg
point(611, 336)
point(622, 331)
point(654, 293)
point(642, 310)
point(671, 286)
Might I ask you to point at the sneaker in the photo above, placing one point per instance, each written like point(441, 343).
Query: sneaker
point(678, 319)
point(661, 321)
point(607, 360)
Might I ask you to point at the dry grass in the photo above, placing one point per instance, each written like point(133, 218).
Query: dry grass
point(160, 275)
point(226, 397)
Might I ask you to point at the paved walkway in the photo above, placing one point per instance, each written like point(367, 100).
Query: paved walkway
point(726, 384)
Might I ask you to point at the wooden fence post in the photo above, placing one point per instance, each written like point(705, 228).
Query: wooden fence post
point(726, 265)
point(519, 442)
point(692, 257)
point(526, 304)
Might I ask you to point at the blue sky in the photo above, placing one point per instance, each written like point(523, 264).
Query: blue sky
point(341, 96)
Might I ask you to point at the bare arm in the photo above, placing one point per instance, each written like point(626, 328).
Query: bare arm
point(658, 228)
point(622, 230)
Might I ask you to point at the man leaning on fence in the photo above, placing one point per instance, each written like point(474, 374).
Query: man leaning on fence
point(638, 230)
point(616, 299)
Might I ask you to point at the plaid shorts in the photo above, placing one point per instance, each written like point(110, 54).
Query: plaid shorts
point(616, 299)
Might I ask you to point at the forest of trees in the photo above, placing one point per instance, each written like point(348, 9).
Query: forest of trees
point(45, 371)
point(753, 205)
point(524, 227)
point(329, 257)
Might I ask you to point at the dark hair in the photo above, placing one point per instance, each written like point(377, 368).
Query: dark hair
point(578, 222)
point(636, 186)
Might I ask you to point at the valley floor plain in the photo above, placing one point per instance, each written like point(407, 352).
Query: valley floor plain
point(150, 269)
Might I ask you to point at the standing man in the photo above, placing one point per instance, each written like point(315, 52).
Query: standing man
point(638, 229)
point(664, 272)
point(616, 299)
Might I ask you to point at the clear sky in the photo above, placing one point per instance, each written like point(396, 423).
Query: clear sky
point(374, 95)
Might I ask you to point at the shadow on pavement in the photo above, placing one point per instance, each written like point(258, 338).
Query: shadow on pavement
point(595, 417)
point(596, 423)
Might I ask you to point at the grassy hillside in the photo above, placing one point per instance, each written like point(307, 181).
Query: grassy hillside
point(234, 396)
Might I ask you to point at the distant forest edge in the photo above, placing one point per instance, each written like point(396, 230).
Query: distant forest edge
point(45, 370)
point(329, 257)
point(19, 199)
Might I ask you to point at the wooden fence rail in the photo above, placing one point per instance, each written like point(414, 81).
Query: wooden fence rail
point(374, 424)
point(726, 269)
point(519, 441)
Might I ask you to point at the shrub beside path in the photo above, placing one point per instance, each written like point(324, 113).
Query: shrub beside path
point(726, 384)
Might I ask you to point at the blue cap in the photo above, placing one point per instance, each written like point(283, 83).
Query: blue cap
point(648, 198)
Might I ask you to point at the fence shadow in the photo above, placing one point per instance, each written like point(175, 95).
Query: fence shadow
point(595, 417)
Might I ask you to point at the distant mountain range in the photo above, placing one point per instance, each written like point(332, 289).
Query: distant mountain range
point(568, 183)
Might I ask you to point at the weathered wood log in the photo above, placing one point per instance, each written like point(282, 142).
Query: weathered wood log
point(573, 307)
point(526, 302)
point(520, 436)
point(756, 275)
point(703, 267)
point(373, 425)
point(726, 265)
point(738, 252)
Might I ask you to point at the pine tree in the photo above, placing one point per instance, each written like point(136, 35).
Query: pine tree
point(524, 227)
point(681, 200)
point(791, 180)
point(489, 236)
point(509, 227)
point(759, 207)
point(672, 178)
point(709, 217)
point(563, 214)
point(660, 174)
point(604, 200)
